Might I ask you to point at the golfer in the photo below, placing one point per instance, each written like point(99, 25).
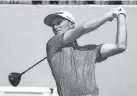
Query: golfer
point(73, 66)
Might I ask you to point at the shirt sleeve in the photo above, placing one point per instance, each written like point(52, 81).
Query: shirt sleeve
point(54, 44)
point(99, 58)
point(95, 52)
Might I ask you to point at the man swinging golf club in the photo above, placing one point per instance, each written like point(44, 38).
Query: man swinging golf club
point(73, 66)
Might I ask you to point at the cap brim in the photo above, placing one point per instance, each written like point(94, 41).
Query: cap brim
point(49, 18)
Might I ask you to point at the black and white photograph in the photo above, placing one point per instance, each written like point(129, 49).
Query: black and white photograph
point(68, 48)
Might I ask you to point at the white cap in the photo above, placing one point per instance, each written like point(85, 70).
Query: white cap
point(65, 14)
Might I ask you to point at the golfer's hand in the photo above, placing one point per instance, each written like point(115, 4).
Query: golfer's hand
point(114, 12)
point(118, 11)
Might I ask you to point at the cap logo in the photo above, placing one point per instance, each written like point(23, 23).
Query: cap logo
point(59, 13)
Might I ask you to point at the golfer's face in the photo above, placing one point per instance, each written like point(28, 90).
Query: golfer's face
point(60, 25)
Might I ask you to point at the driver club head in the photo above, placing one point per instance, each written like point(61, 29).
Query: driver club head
point(14, 78)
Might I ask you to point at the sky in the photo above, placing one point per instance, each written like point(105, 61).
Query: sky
point(23, 38)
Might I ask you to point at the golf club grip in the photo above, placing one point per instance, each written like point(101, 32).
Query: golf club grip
point(34, 65)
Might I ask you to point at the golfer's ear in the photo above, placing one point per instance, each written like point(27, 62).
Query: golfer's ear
point(72, 25)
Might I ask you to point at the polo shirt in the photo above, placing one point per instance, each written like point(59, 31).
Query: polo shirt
point(73, 66)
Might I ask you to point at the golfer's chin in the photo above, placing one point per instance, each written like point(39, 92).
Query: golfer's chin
point(59, 32)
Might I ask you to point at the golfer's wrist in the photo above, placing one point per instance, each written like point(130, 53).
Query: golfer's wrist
point(108, 17)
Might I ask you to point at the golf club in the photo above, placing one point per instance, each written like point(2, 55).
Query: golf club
point(14, 77)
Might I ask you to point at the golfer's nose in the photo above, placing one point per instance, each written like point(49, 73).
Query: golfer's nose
point(56, 27)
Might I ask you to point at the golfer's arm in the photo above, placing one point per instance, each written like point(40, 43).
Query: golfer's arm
point(121, 39)
point(86, 27)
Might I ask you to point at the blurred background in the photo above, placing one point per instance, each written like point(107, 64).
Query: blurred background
point(71, 2)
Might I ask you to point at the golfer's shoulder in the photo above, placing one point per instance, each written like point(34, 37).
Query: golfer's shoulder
point(55, 40)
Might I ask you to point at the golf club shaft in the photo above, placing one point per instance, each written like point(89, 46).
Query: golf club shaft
point(33, 65)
